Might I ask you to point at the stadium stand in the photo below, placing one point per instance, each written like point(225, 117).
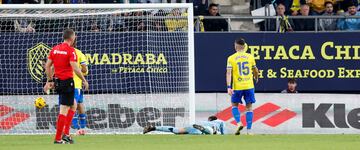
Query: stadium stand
point(235, 15)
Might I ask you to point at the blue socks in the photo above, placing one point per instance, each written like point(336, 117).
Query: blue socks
point(249, 116)
point(75, 121)
point(82, 120)
point(79, 119)
point(249, 119)
point(236, 113)
point(167, 129)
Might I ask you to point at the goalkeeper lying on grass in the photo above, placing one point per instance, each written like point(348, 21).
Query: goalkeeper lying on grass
point(211, 126)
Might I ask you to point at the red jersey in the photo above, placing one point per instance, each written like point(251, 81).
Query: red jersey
point(61, 55)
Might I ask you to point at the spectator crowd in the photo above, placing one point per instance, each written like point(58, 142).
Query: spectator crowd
point(131, 20)
point(175, 19)
point(324, 8)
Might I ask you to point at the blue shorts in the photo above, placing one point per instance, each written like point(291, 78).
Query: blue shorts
point(79, 96)
point(192, 130)
point(249, 96)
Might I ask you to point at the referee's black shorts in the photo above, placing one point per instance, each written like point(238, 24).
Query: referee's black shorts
point(66, 91)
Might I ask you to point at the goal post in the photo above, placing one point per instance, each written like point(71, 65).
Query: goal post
point(140, 59)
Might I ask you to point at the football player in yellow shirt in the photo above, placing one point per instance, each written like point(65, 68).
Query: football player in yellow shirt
point(240, 74)
point(79, 120)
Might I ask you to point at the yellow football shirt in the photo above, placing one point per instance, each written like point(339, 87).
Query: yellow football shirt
point(81, 60)
point(241, 64)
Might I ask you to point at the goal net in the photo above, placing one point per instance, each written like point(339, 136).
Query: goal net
point(140, 60)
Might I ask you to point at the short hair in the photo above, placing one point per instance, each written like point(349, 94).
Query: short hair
point(351, 4)
point(328, 2)
point(292, 80)
point(68, 33)
point(213, 5)
point(240, 41)
point(212, 118)
point(281, 4)
point(302, 5)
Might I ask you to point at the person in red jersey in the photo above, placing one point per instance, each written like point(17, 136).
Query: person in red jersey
point(64, 60)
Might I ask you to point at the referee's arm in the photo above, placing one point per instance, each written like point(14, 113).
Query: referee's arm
point(49, 72)
point(49, 76)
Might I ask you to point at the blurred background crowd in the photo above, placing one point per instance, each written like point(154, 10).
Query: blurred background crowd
point(210, 15)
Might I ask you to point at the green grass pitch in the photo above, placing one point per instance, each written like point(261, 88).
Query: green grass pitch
point(185, 142)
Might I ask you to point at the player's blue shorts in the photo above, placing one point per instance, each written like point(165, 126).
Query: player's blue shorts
point(192, 130)
point(79, 95)
point(249, 96)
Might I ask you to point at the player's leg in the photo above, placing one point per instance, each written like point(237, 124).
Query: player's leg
point(148, 129)
point(66, 97)
point(71, 113)
point(191, 130)
point(79, 117)
point(82, 119)
point(65, 102)
point(75, 121)
point(249, 99)
point(249, 117)
point(171, 129)
point(69, 118)
point(66, 136)
point(204, 129)
point(61, 121)
point(235, 100)
point(81, 110)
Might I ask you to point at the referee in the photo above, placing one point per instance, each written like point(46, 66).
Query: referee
point(64, 60)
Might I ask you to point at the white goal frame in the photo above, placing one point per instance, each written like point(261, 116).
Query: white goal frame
point(190, 31)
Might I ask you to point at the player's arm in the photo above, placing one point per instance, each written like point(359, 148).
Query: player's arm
point(84, 69)
point(256, 74)
point(228, 78)
point(78, 72)
point(83, 64)
point(255, 71)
